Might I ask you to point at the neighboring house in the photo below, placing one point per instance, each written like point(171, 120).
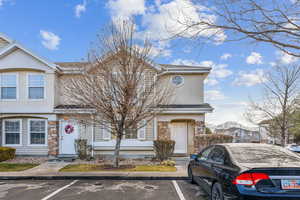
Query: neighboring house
point(37, 119)
point(240, 135)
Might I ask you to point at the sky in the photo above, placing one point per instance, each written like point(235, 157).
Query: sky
point(63, 30)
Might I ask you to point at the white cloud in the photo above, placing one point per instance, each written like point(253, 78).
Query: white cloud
point(124, 9)
point(219, 71)
point(50, 40)
point(160, 52)
point(234, 111)
point(211, 81)
point(225, 56)
point(254, 58)
point(165, 19)
point(213, 95)
point(250, 78)
point(272, 64)
point(285, 58)
point(79, 9)
point(186, 62)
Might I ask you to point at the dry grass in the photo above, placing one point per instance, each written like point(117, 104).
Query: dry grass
point(15, 167)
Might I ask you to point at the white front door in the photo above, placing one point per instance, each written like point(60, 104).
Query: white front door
point(69, 131)
point(179, 135)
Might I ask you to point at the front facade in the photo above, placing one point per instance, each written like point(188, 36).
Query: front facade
point(241, 135)
point(36, 118)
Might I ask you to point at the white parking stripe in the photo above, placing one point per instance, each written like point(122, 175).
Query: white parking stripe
point(59, 190)
point(177, 188)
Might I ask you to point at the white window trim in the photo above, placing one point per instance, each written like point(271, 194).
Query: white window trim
point(29, 134)
point(27, 86)
point(17, 86)
point(181, 84)
point(144, 129)
point(3, 133)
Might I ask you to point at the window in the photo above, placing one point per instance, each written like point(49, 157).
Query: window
point(8, 86)
point(37, 131)
point(12, 132)
point(36, 86)
point(131, 133)
point(204, 155)
point(217, 155)
point(177, 80)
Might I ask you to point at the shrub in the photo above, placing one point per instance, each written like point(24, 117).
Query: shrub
point(163, 149)
point(205, 140)
point(7, 153)
point(170, 163)
point(81, 148)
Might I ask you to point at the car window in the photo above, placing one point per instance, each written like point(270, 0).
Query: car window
point(217, 155)
point(262, 154)
point(205, 154)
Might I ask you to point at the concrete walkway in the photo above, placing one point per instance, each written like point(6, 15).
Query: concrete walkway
point(51, 169)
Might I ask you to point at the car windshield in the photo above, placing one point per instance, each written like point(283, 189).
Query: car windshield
point(262, 154)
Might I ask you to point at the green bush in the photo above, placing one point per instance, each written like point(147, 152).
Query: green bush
point(205, 140)
point(164, 149)
point(7, 153)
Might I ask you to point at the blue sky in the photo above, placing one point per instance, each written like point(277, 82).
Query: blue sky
point(62, 30)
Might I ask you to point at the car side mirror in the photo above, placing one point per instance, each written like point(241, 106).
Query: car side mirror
point(194, 157)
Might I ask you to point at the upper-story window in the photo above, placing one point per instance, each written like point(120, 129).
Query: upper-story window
point(8, 86)
point(36, 86)
point(177, 80)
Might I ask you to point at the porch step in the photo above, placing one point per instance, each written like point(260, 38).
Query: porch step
point(67, 157)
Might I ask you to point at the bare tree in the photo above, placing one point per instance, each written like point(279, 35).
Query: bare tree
point(272, 21)
point(120, 84)
point(280, 86)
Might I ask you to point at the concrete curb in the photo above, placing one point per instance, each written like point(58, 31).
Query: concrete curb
point(92, 178)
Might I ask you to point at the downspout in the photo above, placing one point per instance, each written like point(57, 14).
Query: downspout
point(93, 136)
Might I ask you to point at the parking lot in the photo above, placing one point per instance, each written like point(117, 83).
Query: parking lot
point(100, 189)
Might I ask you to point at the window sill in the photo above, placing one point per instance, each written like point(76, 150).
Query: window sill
point(36, 99)
point(37, 145)
point(12, 145)
point(1, 100)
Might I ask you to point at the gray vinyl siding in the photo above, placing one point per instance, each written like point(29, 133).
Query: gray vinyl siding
point(149, 132)
point(86, 132)
point(25, 149)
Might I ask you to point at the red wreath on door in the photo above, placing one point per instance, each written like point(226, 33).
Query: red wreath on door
point(69, 129)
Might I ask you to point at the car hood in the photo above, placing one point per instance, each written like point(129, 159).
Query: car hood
point(276, 164)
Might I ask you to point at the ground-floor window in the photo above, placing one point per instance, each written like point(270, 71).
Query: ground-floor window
point(12, 131)
point(37, 131)
point(131, 133)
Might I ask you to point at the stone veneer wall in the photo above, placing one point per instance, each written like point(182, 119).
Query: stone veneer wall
point(199, 129)
point(53, 138)
point(163, 130)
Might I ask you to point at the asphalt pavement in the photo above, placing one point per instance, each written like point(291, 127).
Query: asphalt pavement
point(100, 189)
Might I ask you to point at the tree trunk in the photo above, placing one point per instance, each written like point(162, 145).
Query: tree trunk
point(283, 137)
point(117, 151)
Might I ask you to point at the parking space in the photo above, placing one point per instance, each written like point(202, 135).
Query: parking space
point(100, 189)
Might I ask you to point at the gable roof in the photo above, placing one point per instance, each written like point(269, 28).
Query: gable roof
point(14, 45)
point(185, 69)
point(4, 37)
